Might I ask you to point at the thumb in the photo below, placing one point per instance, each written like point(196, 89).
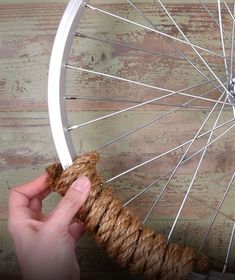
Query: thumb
point(71, 202)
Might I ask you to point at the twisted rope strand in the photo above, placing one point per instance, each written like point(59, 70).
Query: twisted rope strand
point(119, 231)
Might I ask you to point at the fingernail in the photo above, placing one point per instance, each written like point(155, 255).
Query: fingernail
point(81, 184)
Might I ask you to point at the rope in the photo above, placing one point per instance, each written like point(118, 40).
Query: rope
point(115, 228)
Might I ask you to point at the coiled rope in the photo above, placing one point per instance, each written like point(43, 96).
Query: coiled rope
point(116, 229)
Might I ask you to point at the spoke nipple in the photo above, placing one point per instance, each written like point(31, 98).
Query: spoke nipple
point(78, 34)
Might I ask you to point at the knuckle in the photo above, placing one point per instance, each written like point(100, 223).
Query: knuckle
point(48, 230)
point(70, 200)
point(11, 193)
point(11, 198)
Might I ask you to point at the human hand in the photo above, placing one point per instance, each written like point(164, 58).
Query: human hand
point(45, 244)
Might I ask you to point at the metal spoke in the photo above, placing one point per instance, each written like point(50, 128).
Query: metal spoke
point(143, 84)
point(141, 13)
point(222, 38)
point(131, 108)
point(115, 43)
point(210, 14)
point(150, 122)
point(163, 190)
point(232, 16)
point(174, 149)
point(195, 174)
point(119, 112)
point(195, 50)
point(122, 44)
point(117, 100)
point(102, 99)
point(151, 29)
point(232, 45)
point(229, 249)
point(217, 212)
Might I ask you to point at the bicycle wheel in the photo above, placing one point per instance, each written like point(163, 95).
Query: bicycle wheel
point(151, 88)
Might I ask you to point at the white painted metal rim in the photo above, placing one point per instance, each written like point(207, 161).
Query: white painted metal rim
point(56, 81)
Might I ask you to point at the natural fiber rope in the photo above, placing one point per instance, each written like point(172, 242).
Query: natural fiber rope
point(115, 228)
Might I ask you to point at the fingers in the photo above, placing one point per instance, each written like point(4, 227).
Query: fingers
point(70, 203)
point(20, 196)
point(36, 202)
point(34, 188)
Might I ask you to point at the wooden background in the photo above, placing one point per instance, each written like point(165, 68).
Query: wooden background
point(27, 30)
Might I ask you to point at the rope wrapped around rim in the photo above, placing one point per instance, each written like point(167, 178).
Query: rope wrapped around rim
point(116, 229)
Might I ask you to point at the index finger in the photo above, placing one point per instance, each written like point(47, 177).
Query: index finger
point(21, 195)
point(34, 187)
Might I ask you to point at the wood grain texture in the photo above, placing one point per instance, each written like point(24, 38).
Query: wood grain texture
point(27, 30)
